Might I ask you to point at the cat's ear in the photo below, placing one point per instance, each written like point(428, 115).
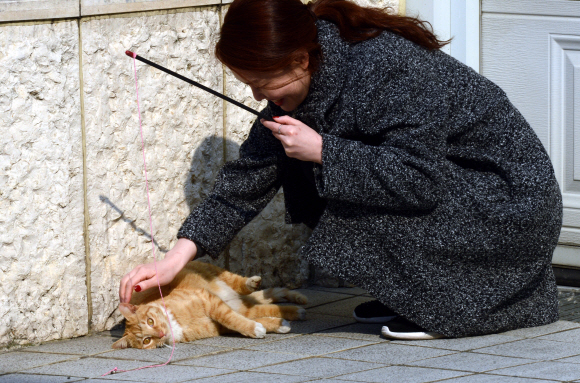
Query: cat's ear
point(121, 343)
point(128, 310)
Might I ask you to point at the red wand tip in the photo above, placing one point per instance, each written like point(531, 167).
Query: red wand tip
point(130, 54)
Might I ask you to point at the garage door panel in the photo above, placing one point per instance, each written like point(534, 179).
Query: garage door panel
point(533, 7)
point(536, 60)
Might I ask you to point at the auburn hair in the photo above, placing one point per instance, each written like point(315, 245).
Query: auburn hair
point(271, 35)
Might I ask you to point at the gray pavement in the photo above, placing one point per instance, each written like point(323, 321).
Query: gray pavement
point(328, 347)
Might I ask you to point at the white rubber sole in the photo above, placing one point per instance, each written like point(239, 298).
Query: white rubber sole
point(419, 335)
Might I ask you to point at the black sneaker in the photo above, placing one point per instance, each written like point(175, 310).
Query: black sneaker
point(401, 328)
point(373, 312)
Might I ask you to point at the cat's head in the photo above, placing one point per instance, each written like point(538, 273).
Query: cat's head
point(146, 327)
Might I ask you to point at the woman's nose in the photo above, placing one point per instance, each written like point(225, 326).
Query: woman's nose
point(257, 94)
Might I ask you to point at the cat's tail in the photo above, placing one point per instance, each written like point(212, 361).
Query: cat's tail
point(278, 294)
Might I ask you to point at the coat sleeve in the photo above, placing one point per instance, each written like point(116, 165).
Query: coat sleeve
point(389, 177)
point(399, 109)
point(242, 189)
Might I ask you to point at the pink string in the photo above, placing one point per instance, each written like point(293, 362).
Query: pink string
point(115, 370)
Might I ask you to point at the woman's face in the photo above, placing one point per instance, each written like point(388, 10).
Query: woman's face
point(286, 89)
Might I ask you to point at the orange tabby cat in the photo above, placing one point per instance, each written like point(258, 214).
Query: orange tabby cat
point(204, 301)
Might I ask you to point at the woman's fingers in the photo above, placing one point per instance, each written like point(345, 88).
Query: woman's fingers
point(274, 126)
point(299, 140)
point(135, 277)
point(286, 120)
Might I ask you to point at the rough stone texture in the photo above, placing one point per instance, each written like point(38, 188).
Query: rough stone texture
point(43, 294)
point(182, 127)
point(101, 7)
point(392, 5)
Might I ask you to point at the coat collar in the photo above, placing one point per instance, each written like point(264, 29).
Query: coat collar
point(327, 83)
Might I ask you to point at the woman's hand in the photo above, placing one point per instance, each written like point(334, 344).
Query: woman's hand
point(299, 140)
point(143, 277)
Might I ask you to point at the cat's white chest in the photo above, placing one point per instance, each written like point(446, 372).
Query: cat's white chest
point(175, 327)
point(228, 295)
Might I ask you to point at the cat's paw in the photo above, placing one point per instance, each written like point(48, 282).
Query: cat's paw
point(284, 328)
point(259, 330)
point(254, 282)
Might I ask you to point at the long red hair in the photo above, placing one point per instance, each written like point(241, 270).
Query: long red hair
point(271, 35)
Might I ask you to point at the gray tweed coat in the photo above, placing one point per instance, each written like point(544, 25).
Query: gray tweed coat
point(434, 193)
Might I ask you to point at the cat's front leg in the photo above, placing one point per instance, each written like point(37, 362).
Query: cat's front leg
point(278, 325)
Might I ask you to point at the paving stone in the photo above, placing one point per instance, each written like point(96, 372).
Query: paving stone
point(370, 332)
point(319, 367)
point(239, 341)
point(484, 378)
point(240, 359)
point(318, 322)
point(341, 308)
point(331, 380)
point(319, 297)
point(169, 374)
point(532, 332)
point(253, 377)
point(27, 378)
point(85, 367)
point(571, 359)
point(115, 332)
point(22, 360)
point(472, 362)
point(533, 349)
point(86, 345)
point(544, 370)
point(389, 353)
point(463, 344)
point(110, 380)
point(401, 374)
point(161, 355)
point(310, 345)
point(564, 336)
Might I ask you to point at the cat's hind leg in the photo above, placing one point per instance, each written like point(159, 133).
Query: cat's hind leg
point(278, 294)
point(241, 285)
point(223, 314)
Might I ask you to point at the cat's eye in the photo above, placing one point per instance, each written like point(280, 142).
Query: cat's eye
point(146, 341)
point(150, 322)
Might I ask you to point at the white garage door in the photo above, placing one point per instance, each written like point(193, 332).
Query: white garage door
point(531, 48)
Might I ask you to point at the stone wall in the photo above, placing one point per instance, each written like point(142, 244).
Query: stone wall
point(43, 294)
point(72, 192)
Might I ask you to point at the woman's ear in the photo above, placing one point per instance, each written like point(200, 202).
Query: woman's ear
point(303, 60)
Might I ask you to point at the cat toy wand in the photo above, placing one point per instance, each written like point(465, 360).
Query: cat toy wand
point(136, 56)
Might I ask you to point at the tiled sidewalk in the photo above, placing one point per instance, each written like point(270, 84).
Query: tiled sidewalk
point(328, 347)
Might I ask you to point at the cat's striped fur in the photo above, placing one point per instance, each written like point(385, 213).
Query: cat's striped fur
point(204, 301)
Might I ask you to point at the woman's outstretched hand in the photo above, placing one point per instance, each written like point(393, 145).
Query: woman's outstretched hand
point(299, 140)
point(144, 276)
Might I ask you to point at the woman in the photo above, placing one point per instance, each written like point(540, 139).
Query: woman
point(422, 182)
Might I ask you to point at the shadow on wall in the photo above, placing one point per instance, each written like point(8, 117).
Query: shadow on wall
point(206, 162)
point(132, 223)
point(267, 246)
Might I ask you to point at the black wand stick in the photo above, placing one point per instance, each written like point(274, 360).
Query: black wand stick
point(137, 57)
